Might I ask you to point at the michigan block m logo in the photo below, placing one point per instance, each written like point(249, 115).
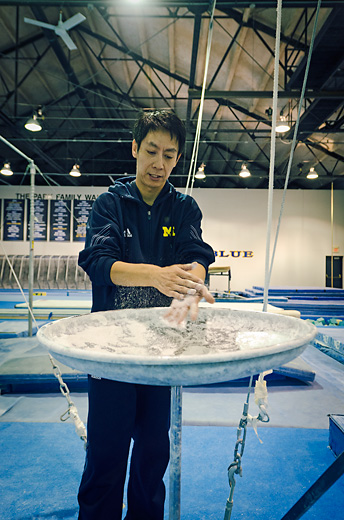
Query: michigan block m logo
point(168, 231)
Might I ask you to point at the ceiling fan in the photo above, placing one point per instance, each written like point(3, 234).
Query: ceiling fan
point(61, 28)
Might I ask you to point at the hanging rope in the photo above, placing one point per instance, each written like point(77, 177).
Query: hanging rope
point(272, 154)
point(261, 391)
point(193, 162)
point(296, 128)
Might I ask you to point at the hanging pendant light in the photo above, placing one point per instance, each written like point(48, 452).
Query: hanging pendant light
point(244, 172)
point(6, 169)
point(75, 171)
point(34, 123)
point(312, 174)
point(200, 172)
point(282, 125)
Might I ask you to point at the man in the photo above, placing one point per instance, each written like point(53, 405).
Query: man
point(143, 249)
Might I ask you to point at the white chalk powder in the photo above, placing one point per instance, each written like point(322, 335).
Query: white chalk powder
point(144, 332)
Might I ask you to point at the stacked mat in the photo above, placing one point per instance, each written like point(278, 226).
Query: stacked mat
point(327, 293)
point(311, 302)
point(330, 340)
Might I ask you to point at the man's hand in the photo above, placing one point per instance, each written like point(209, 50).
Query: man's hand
point(183, 282)
point(180, 309)
point(177, 281)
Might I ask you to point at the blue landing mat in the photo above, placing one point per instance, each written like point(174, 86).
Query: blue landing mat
point(17, 328)
point(330, 340)
point(41, 466)
point(297, 291)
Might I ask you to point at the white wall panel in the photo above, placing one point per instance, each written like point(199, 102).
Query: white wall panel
point(236, 220)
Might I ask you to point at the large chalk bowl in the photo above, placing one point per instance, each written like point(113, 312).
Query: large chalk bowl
point(139, 346)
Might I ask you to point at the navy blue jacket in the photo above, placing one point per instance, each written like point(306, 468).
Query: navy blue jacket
point(123, 227)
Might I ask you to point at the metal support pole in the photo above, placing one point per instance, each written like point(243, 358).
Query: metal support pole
point(332, 234)
point(32, 226)
point(31, 237)
point(175, 453)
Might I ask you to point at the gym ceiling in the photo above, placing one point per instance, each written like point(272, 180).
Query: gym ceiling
point(87, 85)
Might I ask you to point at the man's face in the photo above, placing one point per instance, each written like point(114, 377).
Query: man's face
point(155, 160)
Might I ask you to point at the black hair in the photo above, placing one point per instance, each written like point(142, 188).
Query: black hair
point(155, 120)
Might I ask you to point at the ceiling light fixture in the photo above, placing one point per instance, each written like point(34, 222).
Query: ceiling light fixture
point(6, 169)
point(312, 174)
point(33, 124)
point(244, 172)
point(200, 172)
point(282, 125)
point(75, 172)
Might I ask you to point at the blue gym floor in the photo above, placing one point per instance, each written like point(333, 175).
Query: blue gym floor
point(42, 458)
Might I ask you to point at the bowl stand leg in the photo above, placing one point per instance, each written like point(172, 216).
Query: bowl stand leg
point(175, 453)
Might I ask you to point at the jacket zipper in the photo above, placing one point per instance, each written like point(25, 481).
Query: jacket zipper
point(149, 215)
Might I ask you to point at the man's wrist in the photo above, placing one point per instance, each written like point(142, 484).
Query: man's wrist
point(149, 273)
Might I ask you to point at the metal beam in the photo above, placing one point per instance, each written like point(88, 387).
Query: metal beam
point(267, 94)
point(134, 55)
point(203, 4)
point(22, 44)
point(324, 150)
point(19, 83)
point(236, 154)
point(232, 42)
point(327, 59)
point(327, 56)
point(253, 23)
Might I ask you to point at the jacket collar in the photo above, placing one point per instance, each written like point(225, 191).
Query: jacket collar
point(126, 188)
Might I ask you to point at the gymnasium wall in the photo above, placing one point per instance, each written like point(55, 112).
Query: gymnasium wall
point(235, 224)
point(236, 220)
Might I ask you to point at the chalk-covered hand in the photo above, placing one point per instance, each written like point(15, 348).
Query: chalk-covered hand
point(176, 280)
point(188, 306)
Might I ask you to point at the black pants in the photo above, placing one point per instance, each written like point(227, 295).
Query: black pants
point(119, 412)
